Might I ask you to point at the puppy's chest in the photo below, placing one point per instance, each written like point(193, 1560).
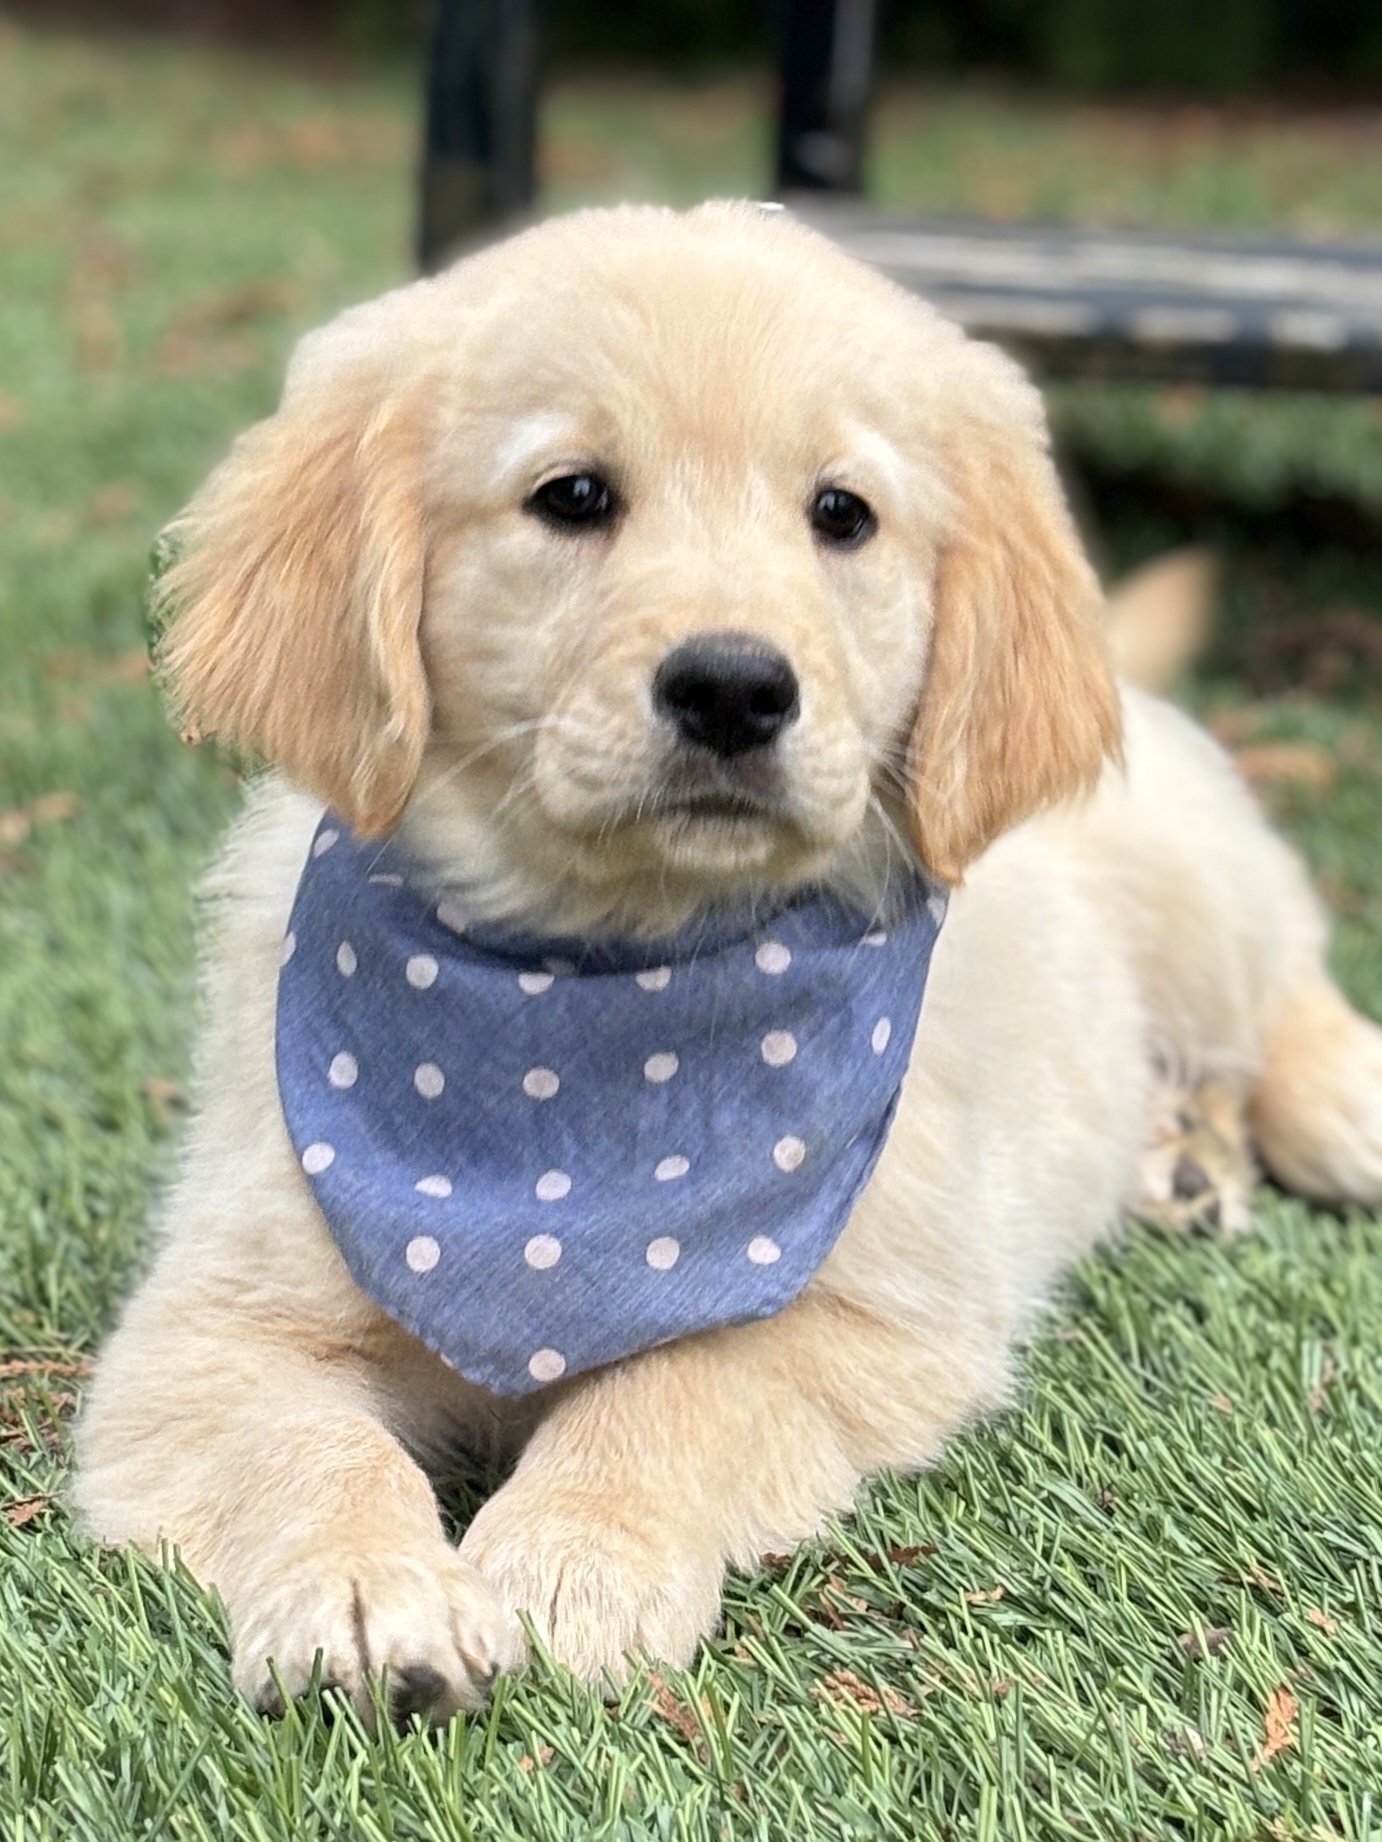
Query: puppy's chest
point(539, 1156)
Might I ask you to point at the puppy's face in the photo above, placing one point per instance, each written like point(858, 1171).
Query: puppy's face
point(648, 560)
point(680, 587)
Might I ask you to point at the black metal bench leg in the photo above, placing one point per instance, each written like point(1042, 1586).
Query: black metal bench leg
point(827, 67)
point(481, 115)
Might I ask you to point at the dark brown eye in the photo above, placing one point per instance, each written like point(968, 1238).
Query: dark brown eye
point(842, 519)
point(575, 502)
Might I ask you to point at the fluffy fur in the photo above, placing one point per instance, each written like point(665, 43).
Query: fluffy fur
point(364, 599)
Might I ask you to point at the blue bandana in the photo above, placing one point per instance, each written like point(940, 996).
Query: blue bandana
point(540, 1156)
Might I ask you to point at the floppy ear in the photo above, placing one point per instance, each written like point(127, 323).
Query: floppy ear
point(293, 608)
point(1019, 708)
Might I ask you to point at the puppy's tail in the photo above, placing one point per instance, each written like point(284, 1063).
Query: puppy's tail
point(1317, 1113)
point(1160, 617)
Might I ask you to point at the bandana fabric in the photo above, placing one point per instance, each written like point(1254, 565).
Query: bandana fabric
point(540, 1156)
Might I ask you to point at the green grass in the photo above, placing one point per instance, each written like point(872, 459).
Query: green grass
point(1089, 1621)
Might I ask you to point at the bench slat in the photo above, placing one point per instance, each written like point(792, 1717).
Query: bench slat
point(1244, 311)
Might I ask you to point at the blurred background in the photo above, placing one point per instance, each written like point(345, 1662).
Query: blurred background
point(186, 185)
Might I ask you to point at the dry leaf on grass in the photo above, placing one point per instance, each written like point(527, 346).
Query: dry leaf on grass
point(44, 1366)
point(18, 821)
point(1319, 1394)
point(846, 1689)
point(1279, 1721)
point(1323, 1620)
point(1258, 1576)
point(1239, 725)
point(313, 142)
point(1344, 898)
point(115, 500)
point(673, 1710)
point(985, 1598)
point(54, 806)
point(252, 300)
point(210, 330)
point(530, 1764)
point(1182, 1740)
point(904, 1557)
point(1213, 1641)
point(1272, 763)
point(26, 1509)
point(835, 1601)
point(165, 1098)
point(77, 665)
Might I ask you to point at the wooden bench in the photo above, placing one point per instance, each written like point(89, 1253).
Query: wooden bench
point(1217, 310)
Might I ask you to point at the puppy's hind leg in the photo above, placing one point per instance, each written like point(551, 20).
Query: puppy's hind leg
point(1197, 1169)
point(1316, 1113)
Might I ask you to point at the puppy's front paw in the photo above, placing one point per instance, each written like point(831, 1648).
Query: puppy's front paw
point(429, 1620)
point(598, 1590)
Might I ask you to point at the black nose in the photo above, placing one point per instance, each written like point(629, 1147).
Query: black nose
point(729, 692)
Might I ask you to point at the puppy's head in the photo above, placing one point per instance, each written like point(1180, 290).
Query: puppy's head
point(647, 560)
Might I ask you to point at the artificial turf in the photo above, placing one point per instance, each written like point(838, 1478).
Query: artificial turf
point(1145, 1603)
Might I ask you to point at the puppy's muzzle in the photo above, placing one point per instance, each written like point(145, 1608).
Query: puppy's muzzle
point(727, 692)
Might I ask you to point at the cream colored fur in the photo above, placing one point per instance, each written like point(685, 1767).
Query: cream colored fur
point(365, 598)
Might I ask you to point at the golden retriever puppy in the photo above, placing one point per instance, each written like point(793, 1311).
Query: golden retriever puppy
point(659, 579)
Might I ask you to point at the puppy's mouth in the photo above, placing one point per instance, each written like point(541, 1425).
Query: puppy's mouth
point(692, 791)
point(684, 821)
point(712, 808)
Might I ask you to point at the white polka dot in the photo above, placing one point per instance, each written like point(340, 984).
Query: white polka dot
point(387, 880)
point(882, 1034)
point(534, 982)
point(421, 971)
point(323, 842)
point(788, 1153)
point(540, 1083)
point(772, 956)
point(542, 1251)
point(559, 968)
point(763, 1251)
point(546, 1365)
point(422, 1253)
point(669, 1168)
point(778, 1048)
point(552, 1185)
point(344, 1070)
point(433, 1186)
point(656, 978)
point(346, 961)
point(935, 907)
point(452, 915)
point(663, 1253)
point(429, 1080)
point(287, 950)
point(661, 1067)
point(878, 938)
point(318, 1157)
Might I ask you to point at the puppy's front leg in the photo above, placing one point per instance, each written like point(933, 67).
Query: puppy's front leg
point(648, 1478)
point(270, 1465)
